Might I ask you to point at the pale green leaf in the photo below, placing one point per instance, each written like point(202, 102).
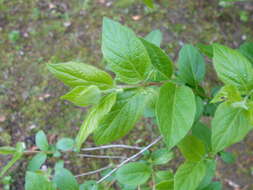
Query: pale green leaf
point(83, 95)
point(124, 52)
point(94, 117)
point(65, 144)
point(199, 108)
point(161, 156)
point(155, 37)
point(135, 173)
point(37, 161)
point(121, 119)
point(79, 74)
point(247, 50)
point(64, 180)
point(210, 172)
point(164, 175)
point(37, 181)
point(175, 112)
point(41, 141)
point(228, 157)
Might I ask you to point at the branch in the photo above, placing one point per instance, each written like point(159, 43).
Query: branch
point(129, 159)
point(94, 172)
point(101, 156)
point(111, 146)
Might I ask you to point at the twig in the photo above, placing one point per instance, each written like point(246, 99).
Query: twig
point(94, 172)
point(129, 159)
point(101, 156)
point(111, 146)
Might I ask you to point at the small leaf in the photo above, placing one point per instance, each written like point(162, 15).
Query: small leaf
point(65, 144)
point(7, 150)
point(205, 49)
point(228, 157)
point(192, 148)
point(202, 132)
point(94, 117)
point(135, 173)
point(36, 181)
point(89, 185)
point(189, 175)
point(83, 96)
point(41, 141)
point(191, 66)
point(175, 112)
point(124, 52)
point(247, 50)
point(161, 156)
point(64, 180)
point(165, 185)
point(155, 37)
point(228, 93)
point(37, 161)
point(79, 74)
point(149, 3)
point(166, 175)
point(210, 172)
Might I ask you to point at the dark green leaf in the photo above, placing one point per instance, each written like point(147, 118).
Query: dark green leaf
point(247, 50)
point(206, 49)
point(161, 156)
point(199, 108)
point(41, 141)
point(64, 180)
point(165, 185)
point(228, 157)
point(65, 144)
point(202, 132)
point(155, 37)
point(37, 161)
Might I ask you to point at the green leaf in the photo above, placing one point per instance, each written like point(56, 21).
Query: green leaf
point(189, 175)
point(247, 50)
point(121, 119)
point(41, 141)
point(161, 64)
point(37, 161)
point(205, 49)
point(199, 108)
point(94, 117)
point(202, 132)
point(175, 112)
point(155, 37)
point(191, 65)
point(230, 125)
point(228, 93)
point(64, 180)
point(166, 175)
point(89, 185)
point(65, 144)
point(149, 3)
point(7, 150)
point(165, 185)
point(124, 52)
point(83, 95)
point(192, 148)
point(135, 173)
point(161, 156)
point(232, 67)
point(79, 74)
point(36, 181)
point(213, 186)
point(210, 172)
point(228, 157)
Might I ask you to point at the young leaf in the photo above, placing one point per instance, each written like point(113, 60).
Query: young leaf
point(36, 181)
point(165, 185)
point(83, 95)
point(228, 157)
point(232, 67)
point(191, 65)
point(227, 93)
point(189, 175)
point(124, 52)
point(205, 49)
point(41, 141)
point(94, 117)
point(37, 161)
point(175, 112)
point(7, 150)
point(161, 156)
point(135, 173)
point(65, 144)
point(149, 3)
point(210, 172)
point(230, 125)
point(192, 148)
point(203, 133)
point(162, 64)
point(155, 37)
point(121, 119)
point(247, 50)
point(64, 180)
point(79, 74)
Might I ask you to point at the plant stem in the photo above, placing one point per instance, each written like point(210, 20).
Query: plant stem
point(111, 146)
point(94, 172)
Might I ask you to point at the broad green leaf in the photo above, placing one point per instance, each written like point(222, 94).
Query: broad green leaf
point(7, 150)
point(175, 112)
point(199, 108)
point(165, 175)
point(155, 37)
point(205, 49)
point(90, 185)
point(83, 95)
point(161, 156)
point(189, 175)
point(213, 186)
point(227, 93)
point(191, 65)
point(65, 144)
point(121, 119)
point(210, 172)
point(41, 141)
point(37, 161)
point(124, 52)
point(202, 132)
point(79, 74)
point(247, 50)
point(230, 125)
point(149, 3)
point(228, 157)
point(37, 181)
point(94, 117)
point(192, 148)
point(135, 173)
point(232, 67)
point(161, 63)
point(165, 185)
point(64, 180)
point(59, 165)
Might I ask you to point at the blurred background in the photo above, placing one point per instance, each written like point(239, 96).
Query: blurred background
point(34, 32)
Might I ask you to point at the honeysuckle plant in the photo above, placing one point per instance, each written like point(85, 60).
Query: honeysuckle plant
point(143, 80)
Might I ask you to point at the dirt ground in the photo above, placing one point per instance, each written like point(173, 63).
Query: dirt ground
point(35, 32)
